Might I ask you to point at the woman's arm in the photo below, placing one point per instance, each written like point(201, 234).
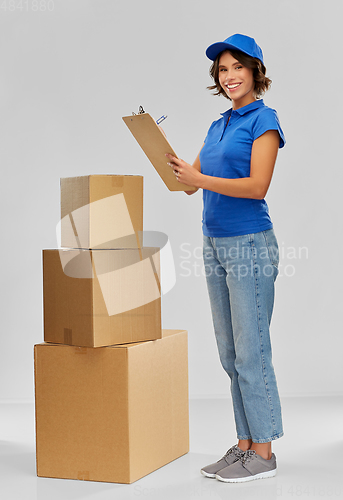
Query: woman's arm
point(197, 167)
point(263, 156)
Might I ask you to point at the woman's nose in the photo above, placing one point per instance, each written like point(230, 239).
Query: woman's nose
point(229, 74)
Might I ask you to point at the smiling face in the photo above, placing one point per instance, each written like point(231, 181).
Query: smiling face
point(236, 80)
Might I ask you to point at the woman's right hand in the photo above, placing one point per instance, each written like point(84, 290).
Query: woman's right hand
point(196, 165)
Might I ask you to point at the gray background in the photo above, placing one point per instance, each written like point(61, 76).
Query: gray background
point(68, 75)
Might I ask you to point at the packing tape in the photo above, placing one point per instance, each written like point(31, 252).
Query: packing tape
point(158, 283)
point(117, 180)
point(139, 241)
point(83, 475)
point(80, 350)
point(75, 230)
point(68, 336)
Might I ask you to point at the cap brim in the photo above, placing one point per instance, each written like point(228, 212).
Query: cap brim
point(216, 48)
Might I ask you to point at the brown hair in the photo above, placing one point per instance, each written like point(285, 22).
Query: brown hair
point(262, 82)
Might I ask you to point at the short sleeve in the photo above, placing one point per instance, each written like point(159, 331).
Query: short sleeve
point(268, 120)
point(210, 130)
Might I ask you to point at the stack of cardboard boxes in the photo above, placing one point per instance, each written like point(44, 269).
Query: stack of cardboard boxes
point(111, 386)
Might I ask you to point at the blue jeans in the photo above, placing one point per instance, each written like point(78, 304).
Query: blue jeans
point(240, 273)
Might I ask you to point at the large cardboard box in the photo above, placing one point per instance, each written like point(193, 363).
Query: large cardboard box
point(101, 297)
point(111, 414)
point(102, 211)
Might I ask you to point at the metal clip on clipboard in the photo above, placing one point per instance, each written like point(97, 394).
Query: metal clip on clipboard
point(140, 111)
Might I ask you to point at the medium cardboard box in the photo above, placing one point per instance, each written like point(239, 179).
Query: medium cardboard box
point(102, 211)
point(111, 414)
point(101, 297)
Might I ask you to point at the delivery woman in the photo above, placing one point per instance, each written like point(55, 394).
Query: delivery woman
point(234, 169)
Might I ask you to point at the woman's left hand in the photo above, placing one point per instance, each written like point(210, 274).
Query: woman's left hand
point(184, 172)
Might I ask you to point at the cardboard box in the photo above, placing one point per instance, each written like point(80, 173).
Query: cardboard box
point(101, 297)
point(111, 414)
point(102, 211)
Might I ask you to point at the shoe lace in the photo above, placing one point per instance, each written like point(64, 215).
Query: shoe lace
point(247, 455)
point(234, 449)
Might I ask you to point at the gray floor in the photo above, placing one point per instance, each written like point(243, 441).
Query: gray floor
point(310, 458)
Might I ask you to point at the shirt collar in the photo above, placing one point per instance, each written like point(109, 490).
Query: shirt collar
point(244, 109)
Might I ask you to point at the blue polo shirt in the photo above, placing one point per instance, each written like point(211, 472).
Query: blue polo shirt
point(227, 153)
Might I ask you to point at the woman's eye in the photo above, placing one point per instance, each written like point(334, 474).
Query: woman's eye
point(239, 67)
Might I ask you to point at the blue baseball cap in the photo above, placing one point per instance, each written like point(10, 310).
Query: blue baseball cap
point(236, 42)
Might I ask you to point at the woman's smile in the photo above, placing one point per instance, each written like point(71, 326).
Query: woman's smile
point(233, 86)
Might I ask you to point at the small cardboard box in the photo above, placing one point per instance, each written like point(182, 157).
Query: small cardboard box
point(111, 414)
point(102, 211)
point(101, 297)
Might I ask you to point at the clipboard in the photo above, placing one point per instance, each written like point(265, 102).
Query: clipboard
point(154, 144)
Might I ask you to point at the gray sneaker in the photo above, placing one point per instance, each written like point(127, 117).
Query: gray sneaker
point(231, 456)
point(249, 466)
